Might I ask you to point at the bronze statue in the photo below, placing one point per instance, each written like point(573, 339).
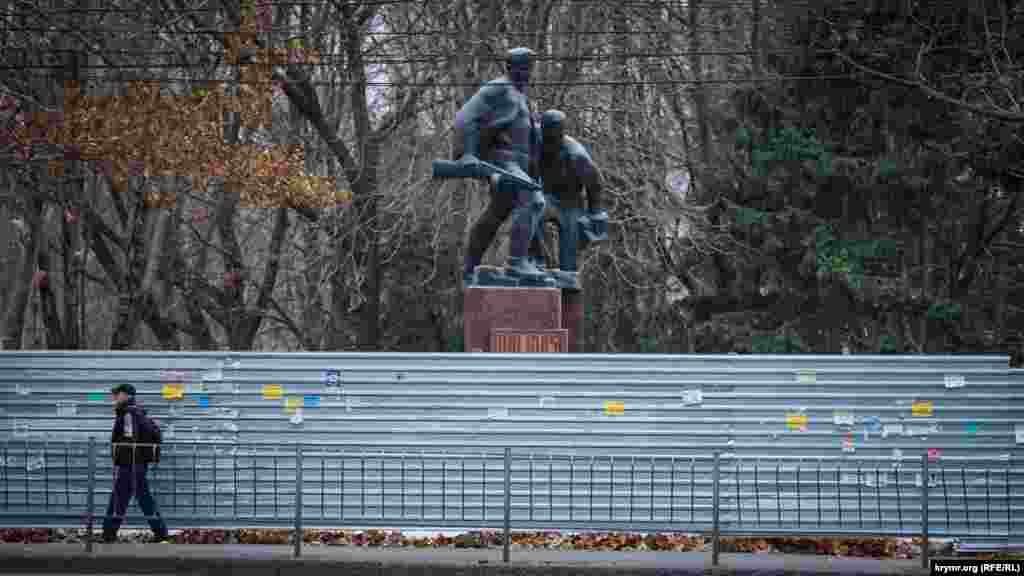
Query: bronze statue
point(565, 169)
point(494, 132)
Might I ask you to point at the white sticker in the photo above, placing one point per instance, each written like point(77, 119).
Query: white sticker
point(917, 479)
point(230, 427)
point(955, 381)
point(23, 389)
point(21, 429)
point(215, 375)
point(35, 463)
point(843, 418)
point(497, 412)
point(1018, 433)
point(849, 479)
point(66, 409)
point(297, 416)
point(806, 377)
point(547, 401)
point(692, 397)
point(894, 429)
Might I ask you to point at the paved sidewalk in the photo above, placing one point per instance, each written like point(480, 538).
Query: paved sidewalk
point(253, 560)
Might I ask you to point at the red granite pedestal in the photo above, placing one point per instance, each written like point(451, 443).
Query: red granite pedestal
point(498, 319)
point(572, 318)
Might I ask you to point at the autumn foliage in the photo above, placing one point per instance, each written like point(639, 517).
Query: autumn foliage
point(146, 130)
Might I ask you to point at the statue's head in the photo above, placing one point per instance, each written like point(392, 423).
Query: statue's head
point(518, 65)
point(552, 125)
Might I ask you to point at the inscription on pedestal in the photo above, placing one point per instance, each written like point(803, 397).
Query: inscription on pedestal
point(539, 341)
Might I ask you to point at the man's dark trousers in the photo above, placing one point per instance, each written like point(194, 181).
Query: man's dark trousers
point(131, 480)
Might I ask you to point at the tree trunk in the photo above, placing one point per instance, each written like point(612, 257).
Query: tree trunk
point(14, 321)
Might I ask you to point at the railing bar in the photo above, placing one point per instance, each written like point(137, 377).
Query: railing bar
point(967, 503)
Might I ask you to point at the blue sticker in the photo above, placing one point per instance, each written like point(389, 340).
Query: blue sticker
point(873, 424)
point(204, 401)
point(312, 401)
point(332, 377)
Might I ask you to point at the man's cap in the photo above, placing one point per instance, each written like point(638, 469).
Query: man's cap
point(520, 56)
point(126, 388)
point(552, 119)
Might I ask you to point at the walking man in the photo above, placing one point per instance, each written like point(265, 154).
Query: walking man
point(134, 445)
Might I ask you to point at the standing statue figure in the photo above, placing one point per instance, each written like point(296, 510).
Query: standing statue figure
point(493, 137)
point(565, 168)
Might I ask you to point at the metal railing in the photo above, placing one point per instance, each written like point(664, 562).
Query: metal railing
point(301, 486)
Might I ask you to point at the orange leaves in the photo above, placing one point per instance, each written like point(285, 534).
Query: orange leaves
point(145, 132)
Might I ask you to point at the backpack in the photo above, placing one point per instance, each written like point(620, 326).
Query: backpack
point(149, 433)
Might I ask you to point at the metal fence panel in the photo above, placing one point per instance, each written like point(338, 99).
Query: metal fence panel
point(601, 441)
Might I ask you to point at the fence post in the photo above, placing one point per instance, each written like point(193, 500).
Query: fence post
point(91, 497)
point(925, 548)
point(298, 501)
point(505, 553)
point(715, 538)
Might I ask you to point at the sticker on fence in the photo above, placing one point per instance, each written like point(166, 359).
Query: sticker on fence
point(227, 413)
point(497, 413)
point(297, 416)
point(934, 454)
point(848, 443)
point(272, 392)
point(806, 376)
point(96, 396)
point(614, 408)
point(311, 401)
point(873, 424)
point(796, 422)
point(894, 429)
point(21, 429)
point(291, 405)
point(1018, 433)
point(23, 389)
point(692, 397)
point(204, 401)
point(66, 409)
point(972, 427)
point(215, 374)
point(843, 418)
point(173, 391)
point(955, 381)
point(331, 378)
point(35, 463)
point(922, 409)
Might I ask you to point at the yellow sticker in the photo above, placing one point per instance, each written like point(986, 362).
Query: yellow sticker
point(796, 421)
point(921, 408)
point(174, 391)
point(806, 376)
point(614, 408)
point(272, 392)
point(292, 404)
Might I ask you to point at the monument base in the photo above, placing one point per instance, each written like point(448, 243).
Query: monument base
point(572, 319)
point(513, 319)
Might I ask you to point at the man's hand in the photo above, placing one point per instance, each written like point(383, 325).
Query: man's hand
point(470, 163)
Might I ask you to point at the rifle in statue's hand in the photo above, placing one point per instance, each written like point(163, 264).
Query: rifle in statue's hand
point(446, 169)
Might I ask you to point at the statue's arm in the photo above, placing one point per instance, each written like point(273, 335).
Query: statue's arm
point(591, 178)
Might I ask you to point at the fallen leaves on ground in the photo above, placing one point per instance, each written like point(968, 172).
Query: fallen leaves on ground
point(861, 547)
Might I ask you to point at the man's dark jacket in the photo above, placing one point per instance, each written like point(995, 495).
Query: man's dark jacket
point(141, 426)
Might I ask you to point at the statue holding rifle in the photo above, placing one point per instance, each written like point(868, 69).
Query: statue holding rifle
point(494, 133)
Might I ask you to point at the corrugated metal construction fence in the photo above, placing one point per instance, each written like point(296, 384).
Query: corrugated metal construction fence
point(881, 445)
